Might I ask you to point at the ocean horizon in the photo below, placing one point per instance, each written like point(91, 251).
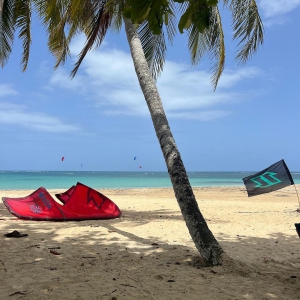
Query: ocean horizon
point(31, 180)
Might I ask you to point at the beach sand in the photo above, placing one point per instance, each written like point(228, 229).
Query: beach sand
point(148, 252)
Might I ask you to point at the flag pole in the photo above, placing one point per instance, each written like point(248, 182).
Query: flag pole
point(297, 195)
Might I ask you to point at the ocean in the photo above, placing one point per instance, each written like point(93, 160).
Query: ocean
point(32, 180)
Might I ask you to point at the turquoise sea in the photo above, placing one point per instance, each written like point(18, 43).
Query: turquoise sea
point(19, 180)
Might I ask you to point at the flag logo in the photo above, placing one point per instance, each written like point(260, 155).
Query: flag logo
point(265, 180)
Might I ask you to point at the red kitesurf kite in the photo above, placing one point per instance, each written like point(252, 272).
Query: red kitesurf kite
point(80, 202)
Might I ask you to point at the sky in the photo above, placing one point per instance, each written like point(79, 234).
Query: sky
point(99, 120)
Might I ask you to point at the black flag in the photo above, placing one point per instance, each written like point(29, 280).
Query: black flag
point(268, 180)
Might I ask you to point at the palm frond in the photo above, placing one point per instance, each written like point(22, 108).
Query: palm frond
point(154, 47)
point(50, 12)
point(81, 12)
point(248, 28)
point(115, 9)
point(95, 32)
point(197, 44)
point(180, 8)
point(63, 19)
point(210, 42)
point(7, 31)
point(58, 43)
point(215, 37)
point(54, 15)
point(22, 11)
point(170, 21)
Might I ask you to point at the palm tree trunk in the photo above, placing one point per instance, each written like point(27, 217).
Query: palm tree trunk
point(1, 8)
point(203, 238)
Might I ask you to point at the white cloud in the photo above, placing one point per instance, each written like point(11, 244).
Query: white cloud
point(108, 77)
point(208, 115)
point(18, 115)
point(7, 90)
point(273, 8)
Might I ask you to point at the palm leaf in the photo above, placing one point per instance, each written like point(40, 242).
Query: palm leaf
point(215, 37)
point(248, 28)
point(154, 47)
point(54, 14)
point(115, 9)
point(95, 32)
point(7, 31)
point(170, 22)
point(58, 43)
point(197, 44)
point(210, 42)
point(22, 10)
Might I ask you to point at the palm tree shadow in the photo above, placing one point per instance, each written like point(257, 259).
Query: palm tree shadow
point(140, 265)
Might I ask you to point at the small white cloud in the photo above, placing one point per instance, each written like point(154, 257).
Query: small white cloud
point(205, 116)
point(18, 115)
point(273, 8)
point(7, 90)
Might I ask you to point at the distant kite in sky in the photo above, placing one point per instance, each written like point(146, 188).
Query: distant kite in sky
point(140, 167)
point(62, 159)
point(134, 158)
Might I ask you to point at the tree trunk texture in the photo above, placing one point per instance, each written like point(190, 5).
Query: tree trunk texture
point(203, 238)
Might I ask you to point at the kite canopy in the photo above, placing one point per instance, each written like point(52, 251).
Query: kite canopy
point(80, 203)
point(65, 196)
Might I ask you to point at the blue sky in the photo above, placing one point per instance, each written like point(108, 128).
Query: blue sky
point(100, 119)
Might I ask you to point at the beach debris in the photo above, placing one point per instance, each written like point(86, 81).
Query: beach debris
point(171, 280)
point(293, 276)
point(268, 259)
point(33, 246)
point(15, 234)
point(297, 225)
point(3, 265)
point(31, 262)
point(154, 244)
point(158, 277)
point(50, 268)
point(54, 247)
point(124, 284)
point(113, 298)
point(55, 252)
point(18, 293)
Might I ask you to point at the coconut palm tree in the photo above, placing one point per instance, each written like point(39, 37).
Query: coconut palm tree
point(145, 26)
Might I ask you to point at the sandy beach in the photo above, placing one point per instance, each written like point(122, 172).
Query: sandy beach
point(148, 252)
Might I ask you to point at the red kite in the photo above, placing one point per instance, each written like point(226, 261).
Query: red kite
point(79, 202)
